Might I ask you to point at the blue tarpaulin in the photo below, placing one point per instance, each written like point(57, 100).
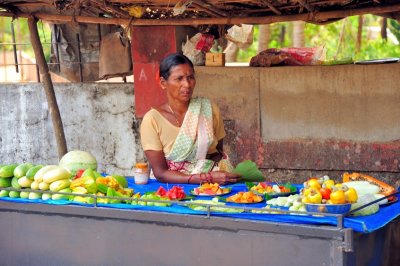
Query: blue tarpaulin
point(363, 224)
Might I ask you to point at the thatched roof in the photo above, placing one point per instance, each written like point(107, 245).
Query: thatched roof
point(197, 12)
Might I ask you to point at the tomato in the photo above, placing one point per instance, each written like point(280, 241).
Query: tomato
point(325, 192)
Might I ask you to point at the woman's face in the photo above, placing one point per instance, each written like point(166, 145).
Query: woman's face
point(180, 83)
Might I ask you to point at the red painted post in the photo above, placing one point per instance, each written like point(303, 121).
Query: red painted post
point(149, 46)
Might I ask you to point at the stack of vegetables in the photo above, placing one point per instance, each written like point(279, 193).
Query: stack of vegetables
point(76, 174)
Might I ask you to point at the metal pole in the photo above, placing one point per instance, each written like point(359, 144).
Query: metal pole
point(48, 87)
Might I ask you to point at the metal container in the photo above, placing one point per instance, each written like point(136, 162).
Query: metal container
point(329, 208)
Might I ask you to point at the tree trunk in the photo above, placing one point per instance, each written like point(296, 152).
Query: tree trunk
point(282, 35)
point(298, 33)
point(384, 29)
point(48, 88)
point(359, 33)
point(263, 37)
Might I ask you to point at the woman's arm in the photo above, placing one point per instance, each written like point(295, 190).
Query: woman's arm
point(161, 172)
point(160, 168)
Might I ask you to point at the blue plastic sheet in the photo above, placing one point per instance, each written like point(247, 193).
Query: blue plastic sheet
point(363, 224)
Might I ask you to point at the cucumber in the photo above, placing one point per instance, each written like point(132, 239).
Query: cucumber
point(32, 171)
point(46, 196)
point(5, 182)
point(14, 194)
point(14, 183)
point(4, 193)
point(62, 196)
point(24, 194)
point(35, 195)
point(21, 169)
point(8, 170)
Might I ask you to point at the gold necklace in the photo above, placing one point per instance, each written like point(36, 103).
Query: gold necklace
point(176, 117)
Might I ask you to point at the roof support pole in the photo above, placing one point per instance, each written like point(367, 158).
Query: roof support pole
point(48, 87)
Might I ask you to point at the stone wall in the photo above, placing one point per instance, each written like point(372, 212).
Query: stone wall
point(97, 117)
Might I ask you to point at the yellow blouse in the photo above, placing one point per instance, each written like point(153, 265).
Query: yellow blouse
point(158, 134)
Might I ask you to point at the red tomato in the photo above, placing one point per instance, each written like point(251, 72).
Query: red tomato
point(326, 193)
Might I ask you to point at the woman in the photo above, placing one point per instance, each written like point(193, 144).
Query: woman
point(183, 138)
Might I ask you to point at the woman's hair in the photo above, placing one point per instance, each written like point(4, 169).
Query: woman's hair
point(173, 60)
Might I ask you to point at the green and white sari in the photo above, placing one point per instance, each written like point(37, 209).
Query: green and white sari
point(196, 134)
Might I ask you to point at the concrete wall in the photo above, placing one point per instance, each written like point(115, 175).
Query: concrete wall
point(303, 121)
point(98, 118)
point(293, 121)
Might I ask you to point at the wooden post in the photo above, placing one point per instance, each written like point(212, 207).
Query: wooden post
point(48, 87)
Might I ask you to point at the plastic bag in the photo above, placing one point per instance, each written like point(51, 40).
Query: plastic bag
point(189, 49)
point(307, 55)
point(303, 56)
point(242, 35)
point(363, 200)
point(115, 56)
point(205, 43)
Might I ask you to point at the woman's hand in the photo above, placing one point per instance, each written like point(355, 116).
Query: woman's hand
point(222, 177)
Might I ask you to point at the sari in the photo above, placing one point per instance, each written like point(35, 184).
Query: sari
point(189, 151)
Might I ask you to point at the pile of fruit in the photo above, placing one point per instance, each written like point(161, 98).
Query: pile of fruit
point(265, 188)
point(324, 190)
point(73, 179)
point(245, 197)
point(210, 189)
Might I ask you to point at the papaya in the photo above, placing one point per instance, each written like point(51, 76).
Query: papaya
point(384, 188)
point(121, 180)
point(102, 188)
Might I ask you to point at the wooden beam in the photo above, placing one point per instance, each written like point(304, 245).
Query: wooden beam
point(48, 87)
point(316, 17)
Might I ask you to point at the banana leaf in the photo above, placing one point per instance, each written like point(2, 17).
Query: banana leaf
point(249, 172)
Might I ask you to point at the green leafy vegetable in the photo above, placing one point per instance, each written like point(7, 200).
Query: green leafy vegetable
point(249, 172)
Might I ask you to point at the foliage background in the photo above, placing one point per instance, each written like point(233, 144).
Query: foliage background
point(329, 35)
point(280, 36)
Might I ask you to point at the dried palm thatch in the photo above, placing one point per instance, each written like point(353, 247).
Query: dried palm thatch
point(197, 12)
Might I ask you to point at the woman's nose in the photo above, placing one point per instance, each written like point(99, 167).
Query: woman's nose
point(186, 81)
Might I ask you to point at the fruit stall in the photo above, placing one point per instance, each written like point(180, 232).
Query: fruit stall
point(52, 212)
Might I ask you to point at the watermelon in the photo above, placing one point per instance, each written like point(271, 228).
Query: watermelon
point(76, 160)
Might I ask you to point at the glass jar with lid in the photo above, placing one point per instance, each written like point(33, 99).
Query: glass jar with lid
point(141, 173)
